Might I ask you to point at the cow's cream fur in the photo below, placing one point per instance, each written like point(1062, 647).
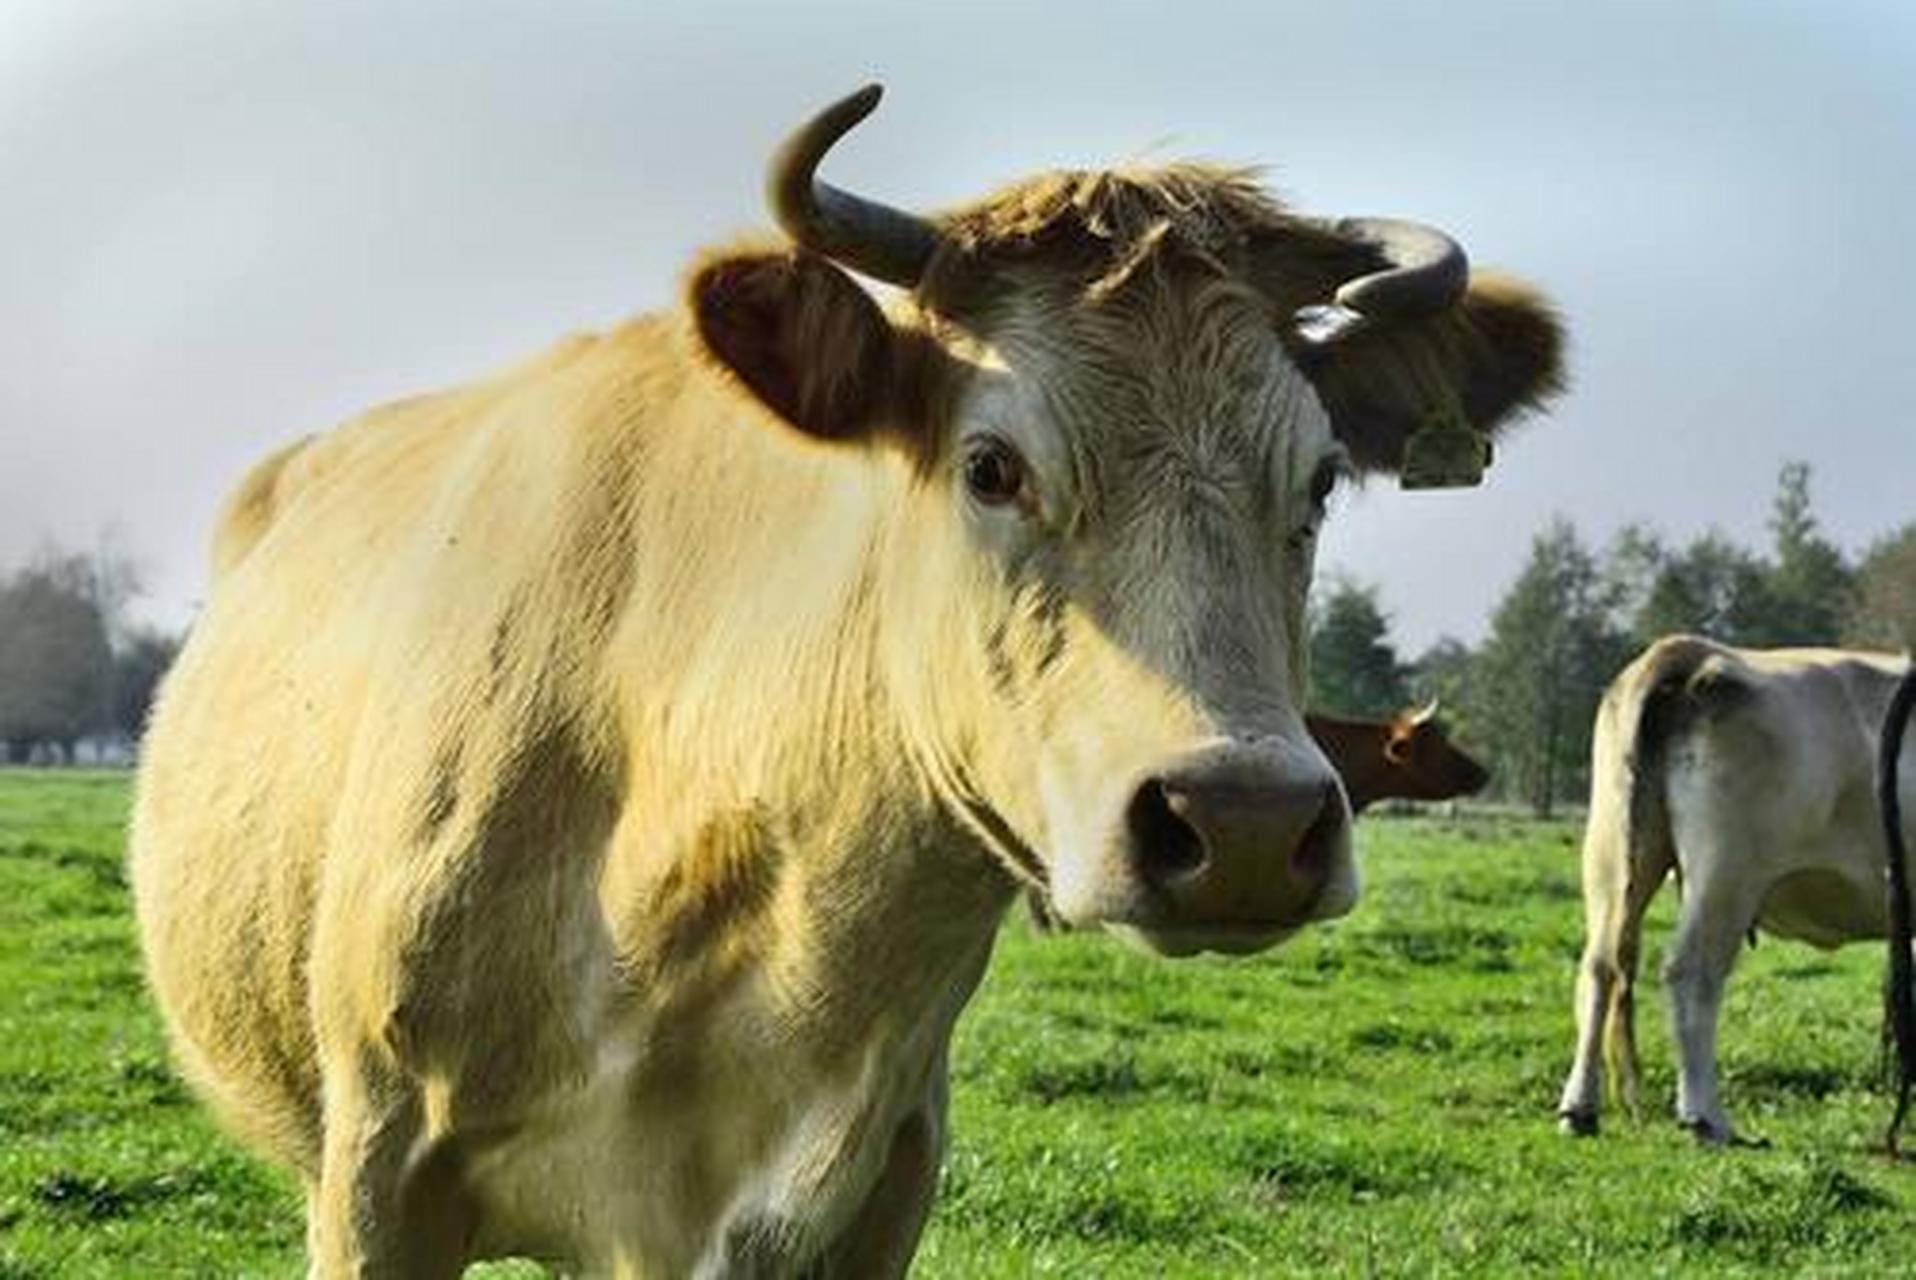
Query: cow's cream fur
point(1751, 773)
point(587, 802)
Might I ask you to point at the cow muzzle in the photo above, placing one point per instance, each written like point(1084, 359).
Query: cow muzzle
point(1232, 848)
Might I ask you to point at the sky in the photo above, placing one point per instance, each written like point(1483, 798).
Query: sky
point(226, 224)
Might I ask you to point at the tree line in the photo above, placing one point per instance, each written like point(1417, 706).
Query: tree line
point(73, 668)
point(1525, 698)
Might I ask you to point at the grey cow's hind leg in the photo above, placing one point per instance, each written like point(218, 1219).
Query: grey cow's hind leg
point(1716, 913)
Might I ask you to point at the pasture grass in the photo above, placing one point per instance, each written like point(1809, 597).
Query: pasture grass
point(1373, 1098)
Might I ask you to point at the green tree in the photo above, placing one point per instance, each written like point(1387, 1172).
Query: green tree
point(1446, 673)
point(56, 667)
point(1552, 648)
point(1631, 566)
point(1882, 612)
point(1808, 584)
point(1354, 668)
point(1712, 587)
point(142, 657)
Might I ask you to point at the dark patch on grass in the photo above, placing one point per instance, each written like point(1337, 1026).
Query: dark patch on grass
point(106, 870)
point(1801, 1079)
point(1185, 1019)
point(1513, 891)
point(1106, 1216)
point(1457, 943)
point(1301, 1058)
point(91, 1197)
point(1299, 1166)
point(1114, 1076)
point(23, 1100)
point(1396, 1035)
point(151, 1081)
point(1805, 970)
point(1762, 1213)
point(12, 1268)
point(1097, 1019)
point(81, 1196)
point(1329, 961)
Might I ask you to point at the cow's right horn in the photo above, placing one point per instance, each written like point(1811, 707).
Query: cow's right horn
point(884, 243)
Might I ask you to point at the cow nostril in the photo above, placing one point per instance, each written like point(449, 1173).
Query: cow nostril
point(1165, 845)
point(1312, 857)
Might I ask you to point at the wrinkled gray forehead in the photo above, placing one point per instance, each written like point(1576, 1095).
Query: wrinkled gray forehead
point(1163, 385)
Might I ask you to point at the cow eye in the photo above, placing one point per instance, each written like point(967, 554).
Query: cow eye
point(994, 473)
point(1322, 482)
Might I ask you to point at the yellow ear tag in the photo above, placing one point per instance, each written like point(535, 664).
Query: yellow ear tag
point(1445, 453)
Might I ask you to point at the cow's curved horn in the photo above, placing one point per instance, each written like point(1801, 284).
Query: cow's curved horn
point(884, 243)
point(1425, 713)
point(1428, 273)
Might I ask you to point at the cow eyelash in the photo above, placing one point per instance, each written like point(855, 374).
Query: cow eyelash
point(1323, 483)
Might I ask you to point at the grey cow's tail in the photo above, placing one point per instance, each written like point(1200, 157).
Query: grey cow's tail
point(1651, 703)
point(1899, 993)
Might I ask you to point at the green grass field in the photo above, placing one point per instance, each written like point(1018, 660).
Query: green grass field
point(1374, 1098)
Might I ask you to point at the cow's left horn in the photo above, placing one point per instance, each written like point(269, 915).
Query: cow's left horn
point(1428, 273)
point(884, 243)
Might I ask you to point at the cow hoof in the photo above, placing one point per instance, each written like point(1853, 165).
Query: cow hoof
point(1707, 1133)
point(1581, 1123)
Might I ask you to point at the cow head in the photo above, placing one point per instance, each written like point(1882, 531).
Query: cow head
point(1425, 763)
point(1123, 401)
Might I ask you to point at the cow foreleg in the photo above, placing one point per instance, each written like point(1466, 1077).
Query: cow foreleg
point(388, 1202)
point(1716, 914)
point(881, 1240)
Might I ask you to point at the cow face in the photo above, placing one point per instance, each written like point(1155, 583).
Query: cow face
point(1119, 446)
point(1139, 478)
point(1425, 763)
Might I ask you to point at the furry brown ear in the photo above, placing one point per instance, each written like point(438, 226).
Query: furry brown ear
point(1397, 745)
point(802, 337)
point(1498, 352)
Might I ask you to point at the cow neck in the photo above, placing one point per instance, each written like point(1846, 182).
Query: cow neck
point(776, 817)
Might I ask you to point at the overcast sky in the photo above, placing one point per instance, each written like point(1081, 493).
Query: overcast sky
point(226, 224)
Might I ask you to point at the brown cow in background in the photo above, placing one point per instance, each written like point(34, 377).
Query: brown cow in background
point(1408, 757)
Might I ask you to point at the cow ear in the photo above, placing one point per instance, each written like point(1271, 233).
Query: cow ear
point(804, 339)
point(1494, 354)
point(1397, 748)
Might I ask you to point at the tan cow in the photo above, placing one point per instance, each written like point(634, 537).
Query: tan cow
point(1751, 774)
point(591, 793)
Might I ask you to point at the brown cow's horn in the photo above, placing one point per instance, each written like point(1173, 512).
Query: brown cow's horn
point(884, 243)
point(1428, 273)
point(1424, 714)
